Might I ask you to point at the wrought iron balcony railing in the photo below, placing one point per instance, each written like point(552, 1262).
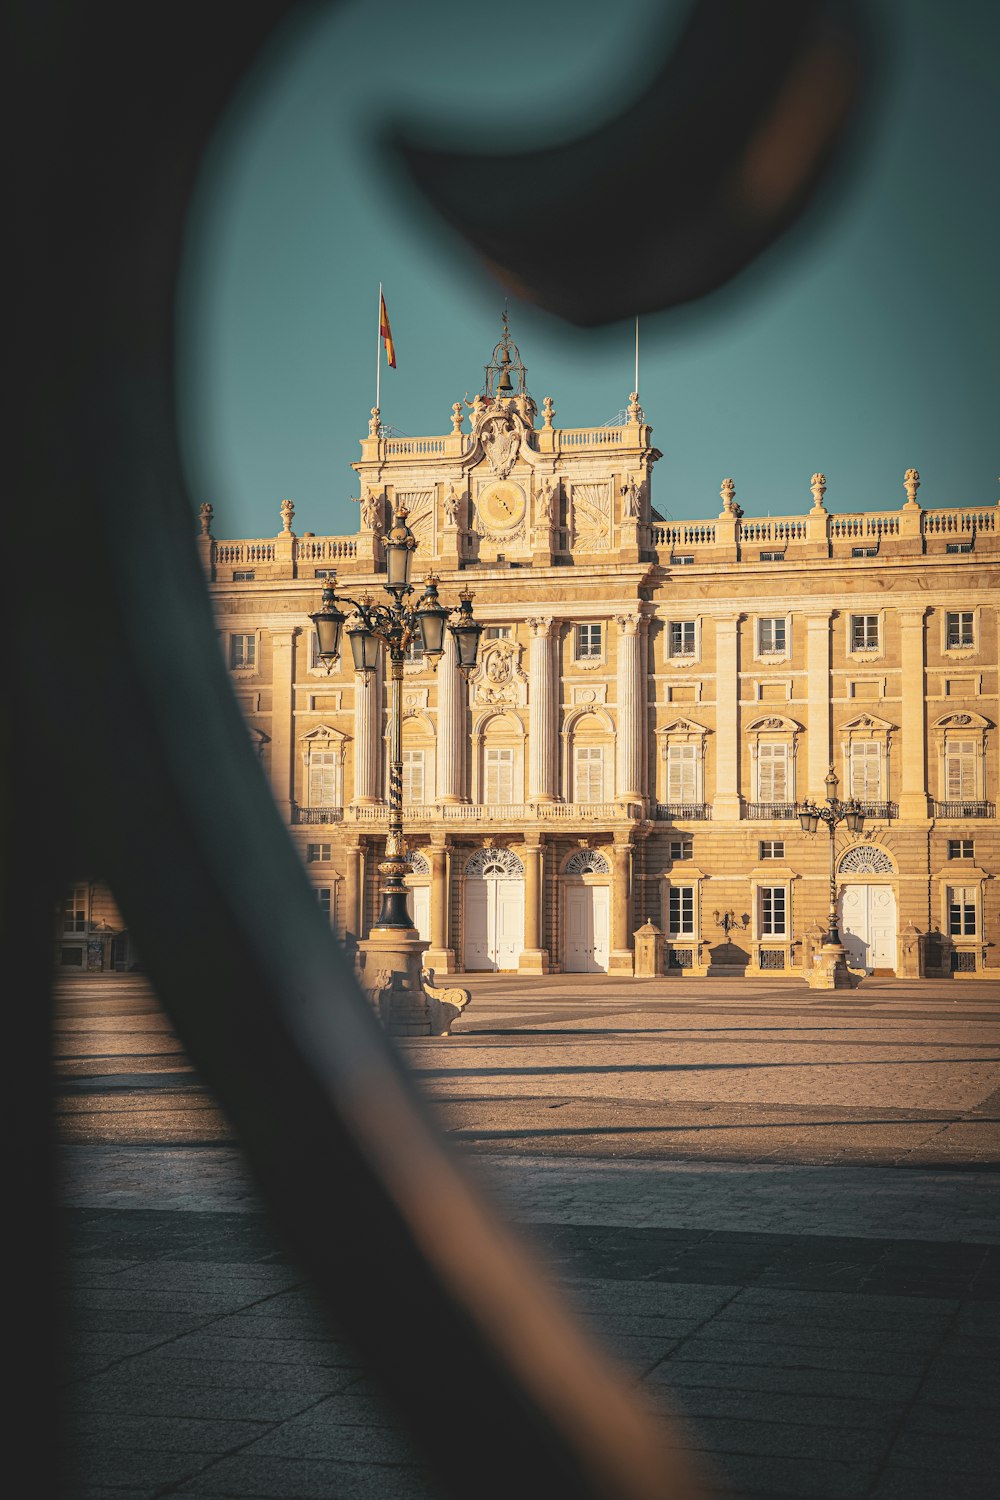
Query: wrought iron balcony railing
point(317, 814)
point(695, 812)
point(879, 809)
point(763, 811)
point(964, 809)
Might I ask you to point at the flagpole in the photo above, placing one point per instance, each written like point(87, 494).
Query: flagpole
point(636, 386)
point(378, 350)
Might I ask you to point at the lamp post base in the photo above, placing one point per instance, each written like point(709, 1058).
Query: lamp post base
point(408, 1003)
point(829, 969)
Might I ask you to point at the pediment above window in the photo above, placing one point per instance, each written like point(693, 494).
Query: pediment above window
point(867, 724)
point(965, 720)
point(774, 724)
point(683, 728)
point(325, 736)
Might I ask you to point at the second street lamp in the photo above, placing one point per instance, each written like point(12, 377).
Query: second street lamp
point(832, 970)
point(391, 627)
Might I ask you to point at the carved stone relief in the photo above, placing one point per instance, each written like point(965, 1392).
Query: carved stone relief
point(591, 517)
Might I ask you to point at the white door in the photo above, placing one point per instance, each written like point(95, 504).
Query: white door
point(494, 923)
point(418, 904)
point(587, 925)
point(868, 925)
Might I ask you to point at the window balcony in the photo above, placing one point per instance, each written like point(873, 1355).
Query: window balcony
point(879, 809)
point(680, 812)
point(317, 814)
point(772, 811)
point(964, 809)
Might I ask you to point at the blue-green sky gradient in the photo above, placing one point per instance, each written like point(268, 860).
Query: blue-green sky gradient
point(871, 346)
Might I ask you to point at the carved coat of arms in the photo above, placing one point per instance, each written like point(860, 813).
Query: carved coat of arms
point(501, 441)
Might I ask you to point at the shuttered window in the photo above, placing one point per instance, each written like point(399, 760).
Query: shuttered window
point(960, 770)
point(866, 770)
point(413, 776)
point(772, 772)
point(322, 778)
point(499, 790)
point(588, 778)
point(242, 650)
point(682, 773)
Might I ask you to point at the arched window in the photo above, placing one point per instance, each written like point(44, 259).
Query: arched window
point(588, 747)
point(496, 864)
point(587, 862)
point(866, 859)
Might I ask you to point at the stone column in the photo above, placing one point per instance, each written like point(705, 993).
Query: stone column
point(913, 720)
point(541, 713)
point(367, 735)
point(628, 773)
point(450, 727)
point(282, 717)
point(819, 691)
point(620, 959)
point(534, 958)
point(439, 956)
point(353, 893)
point(728, 803)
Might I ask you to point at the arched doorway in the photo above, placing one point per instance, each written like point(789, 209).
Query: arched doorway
point(868, 909)
point(587, 906)
point(493, 910)
point(418, 895)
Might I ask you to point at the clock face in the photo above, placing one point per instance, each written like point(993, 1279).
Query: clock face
point(502, 505)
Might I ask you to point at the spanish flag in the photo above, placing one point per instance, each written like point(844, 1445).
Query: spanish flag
point(386, 333)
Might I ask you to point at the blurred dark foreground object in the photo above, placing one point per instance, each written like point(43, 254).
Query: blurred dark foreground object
point(685, 187)
point(126, 755)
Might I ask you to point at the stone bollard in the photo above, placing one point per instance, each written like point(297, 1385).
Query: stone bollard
point(648, 951)
point(911, 953)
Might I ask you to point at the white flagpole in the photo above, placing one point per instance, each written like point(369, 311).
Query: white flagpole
point(636, 386)
point(378, 349)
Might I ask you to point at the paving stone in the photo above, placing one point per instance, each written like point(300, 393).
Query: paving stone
point(266, 1478)
point(165, 1433)
point(747, 1377)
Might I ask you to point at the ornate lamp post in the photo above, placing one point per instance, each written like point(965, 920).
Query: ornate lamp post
point(393, 952)
point(831, 971)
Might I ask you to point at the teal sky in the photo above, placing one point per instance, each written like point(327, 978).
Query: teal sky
point(872, 346)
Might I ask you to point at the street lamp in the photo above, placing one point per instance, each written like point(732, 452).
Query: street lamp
point(374, 627)
point(810, 817)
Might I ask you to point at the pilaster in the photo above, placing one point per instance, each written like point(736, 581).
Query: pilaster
point(818, 695)
point(541, 713)
point(439, 956)
point(534, 958)
point(620, 959)
point(628, 773)
point(728, 803)
point(913, 720)
point(367, 735)
point(282, 718)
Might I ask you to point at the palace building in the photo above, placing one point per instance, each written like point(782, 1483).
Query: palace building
point(652, 700)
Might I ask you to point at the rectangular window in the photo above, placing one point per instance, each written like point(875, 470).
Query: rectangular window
point(75, 910)
point(961, 848)
point(772, 772)
point(866, 770)
point(588, 643)
point(415, 649)
point(681, 905)
point(771, 849)
point(322, 778)
point(497, 633)
point(588, 773)
point(323, 895)
point(771, 636)
point(960, 770)
point(682, 773)
point(246, 576)
point(681, 849)
point(318, 853)
point(499, 766)
point(864, 552)
point(864, 632)
point(682, 637)
point(242, 650)
point(773, 910)
point(961, 629)
point(413, 776)
point(962, 910)
point(772, 557)
point(684, 561)
point(958, 547)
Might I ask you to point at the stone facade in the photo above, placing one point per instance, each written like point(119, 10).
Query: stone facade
point(652, 698)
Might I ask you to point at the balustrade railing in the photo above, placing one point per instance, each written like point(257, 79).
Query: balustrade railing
point(964, 809)
point(953, 522)
point(244, 552)
point(403, 446)
point(325, 548)
point(591, 437)
point(515, 812)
